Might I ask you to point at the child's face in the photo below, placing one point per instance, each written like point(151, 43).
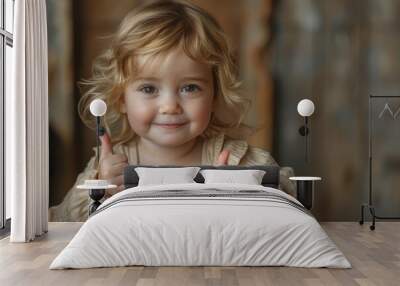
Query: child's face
point(170, 100)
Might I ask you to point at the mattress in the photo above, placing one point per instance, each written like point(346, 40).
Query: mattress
point(201, 225)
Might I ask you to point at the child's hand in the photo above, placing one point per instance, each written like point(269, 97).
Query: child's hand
point(223, 158)
point(111, 166)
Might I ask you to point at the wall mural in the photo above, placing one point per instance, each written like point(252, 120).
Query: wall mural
point(287, 50)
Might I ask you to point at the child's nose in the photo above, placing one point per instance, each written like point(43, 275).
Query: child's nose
point(170, 106)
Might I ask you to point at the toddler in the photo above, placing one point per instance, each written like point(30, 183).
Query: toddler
point(170, 83)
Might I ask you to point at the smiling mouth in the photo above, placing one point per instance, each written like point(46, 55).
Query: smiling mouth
point(170, 126)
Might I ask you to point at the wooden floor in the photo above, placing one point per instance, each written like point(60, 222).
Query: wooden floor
point(375, 257)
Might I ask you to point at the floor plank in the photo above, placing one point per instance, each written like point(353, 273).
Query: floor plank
point(375, 257)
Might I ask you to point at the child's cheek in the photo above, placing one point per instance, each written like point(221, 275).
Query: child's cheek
point(140, 116)
point(200, 112)
point(144, 115)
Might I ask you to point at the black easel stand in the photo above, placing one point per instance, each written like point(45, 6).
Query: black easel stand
point(370, 204)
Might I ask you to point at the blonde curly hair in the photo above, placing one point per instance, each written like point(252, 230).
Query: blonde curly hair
point(154, 29)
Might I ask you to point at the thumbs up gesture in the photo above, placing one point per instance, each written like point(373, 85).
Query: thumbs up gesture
point(111, 166)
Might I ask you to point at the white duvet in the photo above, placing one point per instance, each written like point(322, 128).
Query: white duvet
point(219, 231)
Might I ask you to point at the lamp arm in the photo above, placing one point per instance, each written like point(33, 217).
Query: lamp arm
point(98, 138)
point(306, 135)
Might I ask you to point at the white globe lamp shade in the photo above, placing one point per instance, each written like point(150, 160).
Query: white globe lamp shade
point(305, 107)
point(98, 107)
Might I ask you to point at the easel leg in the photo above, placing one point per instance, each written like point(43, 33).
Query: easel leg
point(372, 211)
point(362, 215)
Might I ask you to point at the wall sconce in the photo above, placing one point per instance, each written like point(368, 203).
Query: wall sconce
point(305, 108)
point(97, 188)
point(305, 185)
point(98, 108)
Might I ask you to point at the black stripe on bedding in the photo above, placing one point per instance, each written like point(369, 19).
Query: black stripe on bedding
point(206, 194)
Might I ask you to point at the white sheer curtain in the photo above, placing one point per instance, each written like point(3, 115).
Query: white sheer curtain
point(27, 124)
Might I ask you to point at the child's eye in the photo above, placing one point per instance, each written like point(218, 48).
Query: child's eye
point(148, 89)
point(191, 88)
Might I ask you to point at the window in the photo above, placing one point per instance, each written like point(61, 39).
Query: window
point(6, 45)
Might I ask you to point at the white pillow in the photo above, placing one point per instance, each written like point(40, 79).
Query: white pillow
point(162, 176)
point(249, 177)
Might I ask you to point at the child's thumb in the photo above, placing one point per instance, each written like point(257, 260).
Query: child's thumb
point(223, 158)
point(106, 146)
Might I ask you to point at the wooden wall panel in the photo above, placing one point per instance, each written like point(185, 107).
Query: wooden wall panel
point(335, 53)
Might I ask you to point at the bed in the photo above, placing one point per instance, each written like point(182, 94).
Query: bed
point(201, 223)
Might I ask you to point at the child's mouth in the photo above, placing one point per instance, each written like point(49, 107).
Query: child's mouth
point(170, 126)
